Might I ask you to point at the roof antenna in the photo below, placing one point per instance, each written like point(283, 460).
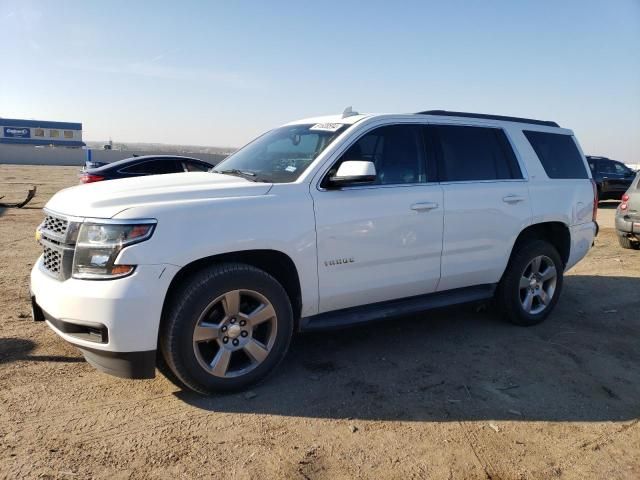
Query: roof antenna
point(348, 112)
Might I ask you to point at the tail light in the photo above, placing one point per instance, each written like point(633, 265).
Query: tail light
point(89, 178)
point(623, 204)
point(595, 200)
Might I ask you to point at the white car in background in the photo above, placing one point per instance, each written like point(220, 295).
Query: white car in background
point(323, 222)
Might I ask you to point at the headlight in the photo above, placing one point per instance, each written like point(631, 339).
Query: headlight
point(99, 244)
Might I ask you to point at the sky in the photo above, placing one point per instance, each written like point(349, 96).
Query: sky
point(220, 73)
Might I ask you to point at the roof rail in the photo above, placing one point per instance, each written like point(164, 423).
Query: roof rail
point(446, 113)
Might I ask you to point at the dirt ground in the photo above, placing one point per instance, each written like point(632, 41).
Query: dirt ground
point(455, 394)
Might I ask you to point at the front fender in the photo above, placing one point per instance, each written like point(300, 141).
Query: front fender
point(190, 231)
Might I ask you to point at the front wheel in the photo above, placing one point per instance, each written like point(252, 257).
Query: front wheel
point(227, 328)
point(531, 285)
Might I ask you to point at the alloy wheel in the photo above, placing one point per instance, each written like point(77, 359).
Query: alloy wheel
point(235, 333)
point(538, 284)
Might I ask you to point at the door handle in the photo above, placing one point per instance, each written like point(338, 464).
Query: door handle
point(424, 206)
point(513, 199)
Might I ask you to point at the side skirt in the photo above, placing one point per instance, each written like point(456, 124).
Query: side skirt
point(395, 308)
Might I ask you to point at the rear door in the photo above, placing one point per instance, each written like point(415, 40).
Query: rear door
point(486, 202)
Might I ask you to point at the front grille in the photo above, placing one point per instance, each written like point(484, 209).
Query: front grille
point(52, 261)
point(55, 225)
point(57, 239)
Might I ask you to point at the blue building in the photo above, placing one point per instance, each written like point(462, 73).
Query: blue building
point(40, 132)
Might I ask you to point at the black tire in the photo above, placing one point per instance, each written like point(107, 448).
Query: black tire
point(165, 370)
point(193, 298)
point(508, 294)
point(626, 242)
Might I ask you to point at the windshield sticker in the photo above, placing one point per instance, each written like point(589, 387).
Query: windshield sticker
point(291, 168)
point(327, 127)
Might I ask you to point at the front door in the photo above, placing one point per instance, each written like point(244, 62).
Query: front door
point(380, 241)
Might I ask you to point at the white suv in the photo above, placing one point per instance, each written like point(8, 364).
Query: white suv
point(323, 222)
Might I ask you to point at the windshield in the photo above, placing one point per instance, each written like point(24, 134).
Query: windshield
point(281, 155)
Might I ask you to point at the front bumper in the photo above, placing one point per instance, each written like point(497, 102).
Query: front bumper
point(137, 365)
point(115, 323)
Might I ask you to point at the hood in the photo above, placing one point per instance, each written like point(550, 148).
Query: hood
point(105, 199)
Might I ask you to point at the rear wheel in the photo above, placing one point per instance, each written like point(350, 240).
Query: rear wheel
point(531, 285)
point(227, 328)
point(626, 242)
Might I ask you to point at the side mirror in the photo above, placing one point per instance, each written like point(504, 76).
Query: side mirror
point(353, 172)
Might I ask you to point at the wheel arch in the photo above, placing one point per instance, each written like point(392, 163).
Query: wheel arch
point(276, 263)
point(556, 233)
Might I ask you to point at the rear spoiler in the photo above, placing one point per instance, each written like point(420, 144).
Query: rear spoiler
point(91, 164)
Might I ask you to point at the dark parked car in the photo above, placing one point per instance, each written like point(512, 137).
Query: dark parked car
point(612, 177)
point(143, 165)
point(628, 217)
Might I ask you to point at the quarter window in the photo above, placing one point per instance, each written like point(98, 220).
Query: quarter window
point(195, 166)
point(474, 153)
point(395, 150)
point(558, 154)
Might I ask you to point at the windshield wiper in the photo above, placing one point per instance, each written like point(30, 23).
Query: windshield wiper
point(238, 173)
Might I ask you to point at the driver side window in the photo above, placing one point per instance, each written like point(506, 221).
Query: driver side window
point(395, 150)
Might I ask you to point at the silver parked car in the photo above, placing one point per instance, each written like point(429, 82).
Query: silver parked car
point(628, 216)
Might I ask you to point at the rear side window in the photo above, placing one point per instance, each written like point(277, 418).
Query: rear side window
point(558, 154)
point(607, 166)
point(474, 153)
point(154, 167)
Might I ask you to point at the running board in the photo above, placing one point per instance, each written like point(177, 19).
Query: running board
point(395, 308)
